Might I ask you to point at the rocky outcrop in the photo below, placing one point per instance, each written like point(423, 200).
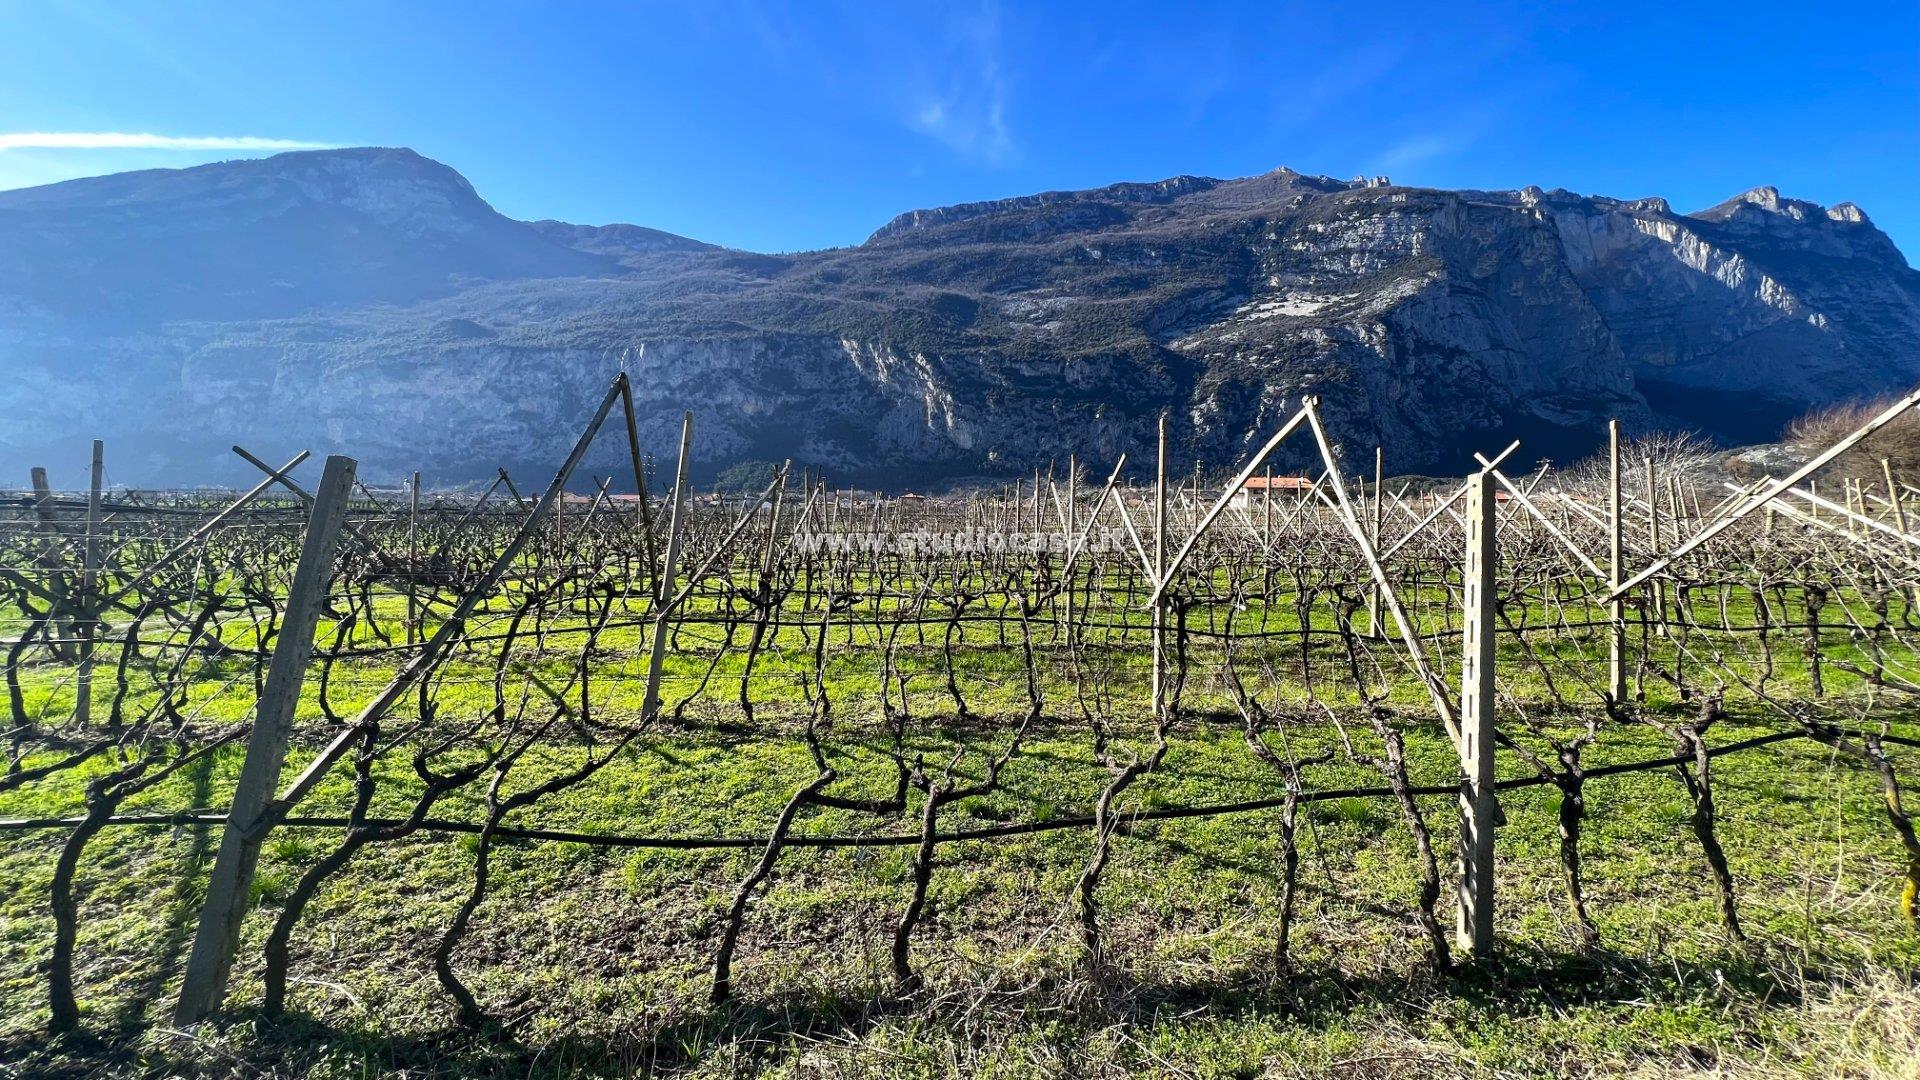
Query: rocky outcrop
point(1766, 300)
point(969, 341)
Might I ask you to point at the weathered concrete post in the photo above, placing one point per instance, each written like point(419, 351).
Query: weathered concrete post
point(1616, 607)
point(1659, 595)
point(1159, 573)
point(1067, 526)
point(1374, 628)
point(230, 887)
point(1266, 520)
point(1478, 810)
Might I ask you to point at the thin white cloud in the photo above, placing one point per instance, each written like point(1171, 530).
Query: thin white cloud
point(1418, 148)
point(122, 140)
point(970, 114)
point(1448, 138)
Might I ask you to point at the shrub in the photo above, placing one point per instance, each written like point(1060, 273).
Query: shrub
point(1675, 453)
point(1898, 442)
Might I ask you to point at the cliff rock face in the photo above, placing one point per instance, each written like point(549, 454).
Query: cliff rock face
point(1763, 303)
point(370, 302)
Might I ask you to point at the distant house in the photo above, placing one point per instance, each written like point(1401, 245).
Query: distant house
point(572, 500)
point(910, 497)
point(1258, 489)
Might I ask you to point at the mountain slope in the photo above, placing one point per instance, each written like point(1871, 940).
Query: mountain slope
point(246, 239)
point(973, 340)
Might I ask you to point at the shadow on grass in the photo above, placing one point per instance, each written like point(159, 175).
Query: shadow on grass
point(1522, 980)
point(247, 1044)
point(757, 1032)
point(183, 904)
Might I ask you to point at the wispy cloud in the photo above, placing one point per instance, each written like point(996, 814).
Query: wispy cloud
point(970, 113)
point(1339, 79)
point(123, 140)
point(1419, 148)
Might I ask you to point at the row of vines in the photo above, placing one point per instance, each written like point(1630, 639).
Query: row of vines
point(478, 657)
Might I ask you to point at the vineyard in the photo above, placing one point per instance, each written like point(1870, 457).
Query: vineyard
point(1106, 772)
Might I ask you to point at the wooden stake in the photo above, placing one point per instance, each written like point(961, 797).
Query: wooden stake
point(511, 490)
point(453, 626)
point(639, 478)
point(88, 623)
point(1343, 508)
point(413, 558)
point(60, 619)
point(229, 889)
point(1220, 504)
point(658, 657)
point(1893, 495)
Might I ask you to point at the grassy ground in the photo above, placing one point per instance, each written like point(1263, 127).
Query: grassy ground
point(597, 958)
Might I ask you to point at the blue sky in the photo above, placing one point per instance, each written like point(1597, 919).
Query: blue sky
point(781, 126)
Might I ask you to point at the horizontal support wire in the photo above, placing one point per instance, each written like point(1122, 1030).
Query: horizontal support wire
point(1024, 828)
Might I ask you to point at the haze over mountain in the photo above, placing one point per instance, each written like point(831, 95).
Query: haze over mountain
point(370, 302)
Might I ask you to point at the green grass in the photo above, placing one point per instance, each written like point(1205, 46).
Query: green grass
point(598, 957)
point(601, 954)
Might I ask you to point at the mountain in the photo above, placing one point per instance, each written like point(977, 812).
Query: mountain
point(254, 239)
point(369, 301)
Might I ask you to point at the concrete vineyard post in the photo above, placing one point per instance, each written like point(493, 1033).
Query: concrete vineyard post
point(1616, 607)
point(1478, 809)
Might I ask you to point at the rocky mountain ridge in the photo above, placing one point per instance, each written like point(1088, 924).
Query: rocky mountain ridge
point(370, 301)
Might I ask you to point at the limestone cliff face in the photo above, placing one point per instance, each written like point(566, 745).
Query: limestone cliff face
point(1760, 295)
point(969, 341)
